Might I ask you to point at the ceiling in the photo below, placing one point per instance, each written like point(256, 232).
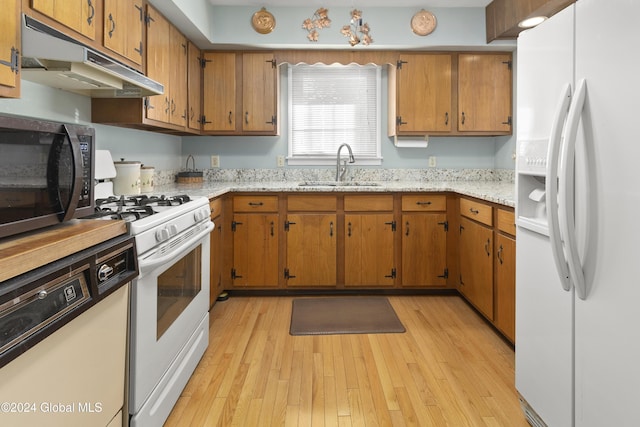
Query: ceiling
point(354, 3)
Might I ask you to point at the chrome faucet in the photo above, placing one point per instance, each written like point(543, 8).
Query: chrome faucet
point(341, 171)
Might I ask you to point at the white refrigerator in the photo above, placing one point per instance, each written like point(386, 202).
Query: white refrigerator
point(577, 216)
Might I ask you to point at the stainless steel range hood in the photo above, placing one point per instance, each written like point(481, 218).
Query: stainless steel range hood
point(53, 59)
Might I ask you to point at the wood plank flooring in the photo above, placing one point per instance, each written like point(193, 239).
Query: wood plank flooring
point(449, 369)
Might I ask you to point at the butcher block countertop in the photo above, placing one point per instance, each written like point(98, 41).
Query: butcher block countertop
point(22, 253)
point(500, 192)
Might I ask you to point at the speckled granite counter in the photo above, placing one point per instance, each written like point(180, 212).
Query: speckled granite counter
point(501, 192)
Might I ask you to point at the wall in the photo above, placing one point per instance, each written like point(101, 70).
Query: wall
point(261, 152)
point(154, 149)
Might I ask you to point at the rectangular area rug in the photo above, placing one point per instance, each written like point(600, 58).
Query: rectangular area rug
point(344, 315)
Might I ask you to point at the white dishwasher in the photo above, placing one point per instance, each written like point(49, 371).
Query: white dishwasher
point(68, 366)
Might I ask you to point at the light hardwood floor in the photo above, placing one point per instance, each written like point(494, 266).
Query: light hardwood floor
point(449, 369)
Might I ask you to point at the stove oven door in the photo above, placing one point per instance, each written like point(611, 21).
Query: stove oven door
point(169, 323)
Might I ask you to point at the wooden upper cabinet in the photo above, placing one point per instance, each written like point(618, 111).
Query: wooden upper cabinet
point(167, 64)
point(259, 92)
point(194, 87)
point(158, 52)
point(423, 95)
point(123, 28)
point(484, 93)
point(78, 15)
point(9, 50)
point(219, 90)
point(240, 93)
point(177, 77)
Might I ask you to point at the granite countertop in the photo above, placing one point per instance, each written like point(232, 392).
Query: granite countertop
point(501, 192)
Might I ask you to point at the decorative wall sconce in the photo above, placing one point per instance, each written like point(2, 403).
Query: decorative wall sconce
point(319, 21)
point(356, 31)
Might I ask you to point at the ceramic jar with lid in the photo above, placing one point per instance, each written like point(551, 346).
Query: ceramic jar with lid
point(146, 178)
point(127, 180)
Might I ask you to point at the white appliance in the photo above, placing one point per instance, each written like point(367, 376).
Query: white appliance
point(577, 264)
point(169, 298)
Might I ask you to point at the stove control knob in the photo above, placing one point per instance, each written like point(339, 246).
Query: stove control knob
point(162, 235)
point(172, 229)
point(199, 215)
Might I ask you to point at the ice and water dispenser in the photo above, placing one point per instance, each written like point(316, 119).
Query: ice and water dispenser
point(531, 171)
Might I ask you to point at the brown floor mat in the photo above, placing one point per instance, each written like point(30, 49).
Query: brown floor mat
point(343, 315)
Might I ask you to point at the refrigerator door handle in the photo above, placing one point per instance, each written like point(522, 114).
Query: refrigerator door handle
point(551, 186)
point(567, 190)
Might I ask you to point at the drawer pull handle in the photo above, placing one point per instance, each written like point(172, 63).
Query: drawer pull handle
point(331, 229)
point(349, 229)
point(487, 246)
point(256, 203)
point(272, 228)
point(423, 203)
point(474, 211)
point(500, 255)
point(406, 226)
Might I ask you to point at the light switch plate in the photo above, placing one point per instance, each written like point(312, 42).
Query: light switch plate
point(432, 161)
point(280, 161)
point(215, 161)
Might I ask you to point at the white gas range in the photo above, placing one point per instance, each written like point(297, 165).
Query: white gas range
point(169, 299)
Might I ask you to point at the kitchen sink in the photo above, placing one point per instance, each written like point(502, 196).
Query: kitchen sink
point(338, 184)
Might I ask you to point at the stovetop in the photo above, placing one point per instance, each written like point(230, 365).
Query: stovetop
point(154, 219)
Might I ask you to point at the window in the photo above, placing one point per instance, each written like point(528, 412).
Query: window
point(330, 105)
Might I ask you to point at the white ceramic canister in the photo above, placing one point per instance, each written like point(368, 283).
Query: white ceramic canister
point(127, 180)
point(146, 178)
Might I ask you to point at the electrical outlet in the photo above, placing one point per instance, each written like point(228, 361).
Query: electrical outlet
point(280, 161)
point(215, 161)
point(432, 161)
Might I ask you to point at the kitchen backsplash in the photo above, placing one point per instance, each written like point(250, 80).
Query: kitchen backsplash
point(353, 174)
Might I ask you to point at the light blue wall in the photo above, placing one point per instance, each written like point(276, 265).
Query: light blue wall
point(155, 149)
point(458, 28)
point(261, 152)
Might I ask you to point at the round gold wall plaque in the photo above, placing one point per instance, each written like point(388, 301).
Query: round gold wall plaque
point(263, 21)
point(423, 23)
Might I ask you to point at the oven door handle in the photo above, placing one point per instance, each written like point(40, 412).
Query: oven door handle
point(148, 264)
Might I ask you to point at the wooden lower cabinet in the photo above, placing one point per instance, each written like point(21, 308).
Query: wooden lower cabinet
point(368, 250)
point(476, 265)
point(424, 250)
point(505, 273)
point(217, 251)
point(311, 249)
point(255, 249)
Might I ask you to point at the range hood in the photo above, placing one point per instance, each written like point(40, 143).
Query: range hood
point(54, 59)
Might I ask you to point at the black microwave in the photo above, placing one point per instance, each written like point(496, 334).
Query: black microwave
point(46, 173)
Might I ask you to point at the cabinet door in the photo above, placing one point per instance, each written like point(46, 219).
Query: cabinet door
point(259, 92)
point(9, 48)
point(255, 250)
point(219, 92)
point(368, 250)
point(506, 285)
point(484, 92)
point(194, 87)
point(75, 14)
point(424, 93)
point(311, 250)
point(476, 265)
point(158, 39)
point(123, 28)
point(424, 249)
point(177, 77)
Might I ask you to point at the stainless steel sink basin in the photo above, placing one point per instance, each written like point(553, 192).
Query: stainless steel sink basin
point(338, 184)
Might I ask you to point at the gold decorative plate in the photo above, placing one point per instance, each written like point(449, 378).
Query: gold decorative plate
point(423, 23)
point(263, 21)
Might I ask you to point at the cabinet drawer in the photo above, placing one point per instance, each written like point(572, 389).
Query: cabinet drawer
point(506, 221)
point(255, 204)
point(312, 203)
point(424, 202)
point(368, 203)
point(216, 207)
point(477, 211)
